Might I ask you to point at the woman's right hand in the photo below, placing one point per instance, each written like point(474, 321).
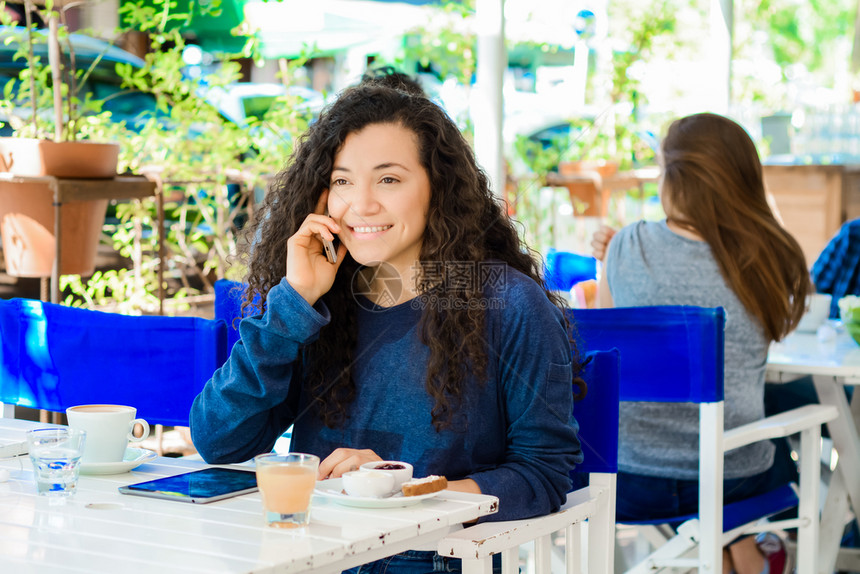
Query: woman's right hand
point(600, 241)
point(343, 460)
point(308, 270)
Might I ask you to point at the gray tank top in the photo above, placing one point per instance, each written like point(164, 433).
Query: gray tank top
point(648, 264)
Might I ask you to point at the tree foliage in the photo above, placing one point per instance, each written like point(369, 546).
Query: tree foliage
point(208, 167)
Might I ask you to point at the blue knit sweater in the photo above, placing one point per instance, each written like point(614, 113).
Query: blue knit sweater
point(515, 434)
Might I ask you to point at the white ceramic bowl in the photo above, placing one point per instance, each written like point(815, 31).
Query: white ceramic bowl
point(368, 484)
point(401, 475)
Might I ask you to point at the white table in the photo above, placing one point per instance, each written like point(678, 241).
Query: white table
point(832, 364)
point(100, 530)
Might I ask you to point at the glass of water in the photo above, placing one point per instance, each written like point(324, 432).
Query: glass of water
point(56, 457)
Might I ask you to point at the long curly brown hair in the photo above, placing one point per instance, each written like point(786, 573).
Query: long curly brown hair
point(465, 223)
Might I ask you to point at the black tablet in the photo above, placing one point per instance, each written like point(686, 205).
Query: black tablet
point(199, 486)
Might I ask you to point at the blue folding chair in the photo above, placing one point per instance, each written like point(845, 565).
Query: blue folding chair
point(597, 415)
point(228, 307)
point(675, 354)
point(53, 357)
point(563, 269)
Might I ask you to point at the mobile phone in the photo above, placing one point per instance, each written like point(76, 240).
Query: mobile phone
point(330, 250)
point(329, 246)
point(198, 486)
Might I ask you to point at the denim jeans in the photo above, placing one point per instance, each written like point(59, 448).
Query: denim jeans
point(417, 562)
point(649, 497)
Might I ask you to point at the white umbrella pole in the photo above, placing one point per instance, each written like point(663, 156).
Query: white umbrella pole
point(488, 111)
point(855, 50)
point(722, 24)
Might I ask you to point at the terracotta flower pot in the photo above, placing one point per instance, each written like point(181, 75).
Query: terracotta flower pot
point(27, 230)
point(74, 160)
point(603, 167)
point(27, 211)
point(587, 194)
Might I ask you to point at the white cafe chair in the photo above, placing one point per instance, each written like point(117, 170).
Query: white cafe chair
point(597, 415)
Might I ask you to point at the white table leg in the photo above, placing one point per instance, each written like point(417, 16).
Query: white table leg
point(832, 524)
point(844, 487)
point(478, 565)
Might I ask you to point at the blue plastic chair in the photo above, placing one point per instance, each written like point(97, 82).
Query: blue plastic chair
point(597, 415)
point(53, 357)
point(563, 270)
point(228, 308)
point(676, 354)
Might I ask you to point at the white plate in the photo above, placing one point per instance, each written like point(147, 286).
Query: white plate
point(134, 457)
point(333, 490)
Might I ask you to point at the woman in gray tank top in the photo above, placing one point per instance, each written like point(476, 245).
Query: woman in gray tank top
point(719, 246)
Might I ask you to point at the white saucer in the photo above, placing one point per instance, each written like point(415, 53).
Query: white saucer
point(134, 457)
point(332, 489)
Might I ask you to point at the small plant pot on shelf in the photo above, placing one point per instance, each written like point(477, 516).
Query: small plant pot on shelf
point(584, 183)
point(67, 160)
point(602, 167)
point(27, 206)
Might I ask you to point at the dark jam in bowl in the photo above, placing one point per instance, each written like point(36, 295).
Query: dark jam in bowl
point(389, 466)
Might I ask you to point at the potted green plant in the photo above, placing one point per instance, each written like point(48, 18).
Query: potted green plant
point(849, 312)
point(26, 210)
point(590, 148)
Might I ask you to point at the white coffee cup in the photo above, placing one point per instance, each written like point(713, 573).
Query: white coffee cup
point(368, 484)
point(817, 311)
point(109, 429)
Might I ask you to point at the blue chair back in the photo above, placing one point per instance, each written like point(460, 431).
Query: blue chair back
point(597, 413)
point(228, 307)
point(668, 353)
point(563, 270)
point(53, 357)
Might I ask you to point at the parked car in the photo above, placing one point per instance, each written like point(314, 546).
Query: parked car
point(242, 101)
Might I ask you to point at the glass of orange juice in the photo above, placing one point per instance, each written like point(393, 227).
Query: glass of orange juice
point(286, 482)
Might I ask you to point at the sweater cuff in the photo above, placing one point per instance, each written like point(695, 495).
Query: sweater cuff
point(287, 311)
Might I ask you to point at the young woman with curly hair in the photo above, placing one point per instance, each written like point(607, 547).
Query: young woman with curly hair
point(431, 339)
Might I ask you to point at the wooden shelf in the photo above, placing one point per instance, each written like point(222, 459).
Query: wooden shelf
point(814, 201)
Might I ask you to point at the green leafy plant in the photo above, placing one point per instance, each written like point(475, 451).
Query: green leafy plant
point(533, 204)
point(46, 101)
point(849, 308)
point(798, 42)
point(641, 31)
point(447, 44)
point(209, 170)
point(447, 47)
point(588, 140)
